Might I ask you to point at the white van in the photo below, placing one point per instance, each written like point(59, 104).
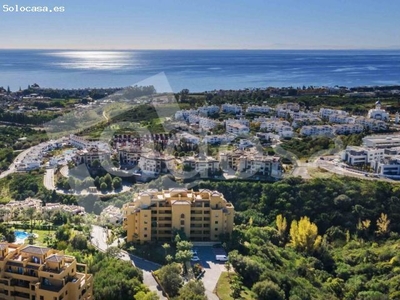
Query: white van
point(221, 258)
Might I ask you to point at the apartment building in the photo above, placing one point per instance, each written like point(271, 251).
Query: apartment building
point(326, 112)
point(189, 138)
point(241, 121)
point(252, 162)
point(129, 156)
point(40, 273)
point(203, 122)
point(302, 121)
point(271, 125)
point(154, 163)
point(156, 215)
point(341, 119)
point(347, 128)
point(380, 141)
point(258, 109)
point(202, 165)
point(231, 108)
point(208, 110)
point(356, 155)
point(237, 129)
point(388, 166)
point(78, 142)
point(218, 139)
point(315, 130)
point(87, 156)
point(371, 124)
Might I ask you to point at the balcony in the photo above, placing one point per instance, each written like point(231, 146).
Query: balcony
point(51, 288)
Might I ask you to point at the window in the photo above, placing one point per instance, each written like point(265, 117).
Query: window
point(216, 222)
point(145, 229)
point(145, 235)
point(216, 229)
point(41, 298)
point(182, 222)
point(182, 216)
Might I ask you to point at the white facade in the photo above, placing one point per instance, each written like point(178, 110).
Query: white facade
point(208, 110)
point(231, 108)
point(326, 112)
point(378, 113)
point(347, 128)
point(361, 155)
point(371, 124)
point(314, 130)
point(341, 119)
point(237, 129)
point(260, 109)
point(190, 138)
point(218, 139)
point(241, 121)
point(272, 125)
point(382, 141)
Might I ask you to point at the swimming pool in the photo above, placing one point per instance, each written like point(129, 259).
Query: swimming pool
point(20, 236)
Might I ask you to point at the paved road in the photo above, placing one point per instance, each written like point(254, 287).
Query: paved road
point(12, 167)
point(99, 238)
point(48, 179)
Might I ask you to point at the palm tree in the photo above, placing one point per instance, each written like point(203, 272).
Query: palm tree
point(31, 213)
point(166, 247)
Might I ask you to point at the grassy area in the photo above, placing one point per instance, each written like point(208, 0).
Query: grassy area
point(223, 289)
point(319, 173)
point(41, 236)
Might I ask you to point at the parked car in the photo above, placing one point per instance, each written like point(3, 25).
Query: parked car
point(221, 258)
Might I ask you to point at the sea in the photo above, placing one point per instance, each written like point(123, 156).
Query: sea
point(198, 70)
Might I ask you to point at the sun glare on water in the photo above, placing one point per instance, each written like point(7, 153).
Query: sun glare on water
point(95, 60)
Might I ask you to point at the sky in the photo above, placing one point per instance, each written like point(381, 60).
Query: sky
point(206, 24)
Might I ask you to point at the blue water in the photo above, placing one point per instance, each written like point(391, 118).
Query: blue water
point(21, 235)
point(198, 70)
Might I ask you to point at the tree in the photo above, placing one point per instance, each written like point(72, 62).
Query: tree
point(193, 290)
point(183, 256)
point(166, 247)
point(383, 225)
point(228, 268)
point(170, 278)
point(184, 245)
point(79, 242)
point(281, 226)
point(95, 163)
point(115, 279)
point(117, 183)
point(113, 252)
point(304, 235)
point(268, 290)
point(108, 181)
point(31, 213)
point(146, 296)
point(103, 186)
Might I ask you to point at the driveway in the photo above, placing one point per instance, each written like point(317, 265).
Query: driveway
point(213, 269)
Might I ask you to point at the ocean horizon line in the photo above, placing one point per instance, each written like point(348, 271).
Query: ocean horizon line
point(204, 49)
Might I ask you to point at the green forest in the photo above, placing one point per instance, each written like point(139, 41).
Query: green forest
point(334, 238)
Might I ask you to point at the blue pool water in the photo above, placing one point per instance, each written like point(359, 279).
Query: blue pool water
point(20, 235)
